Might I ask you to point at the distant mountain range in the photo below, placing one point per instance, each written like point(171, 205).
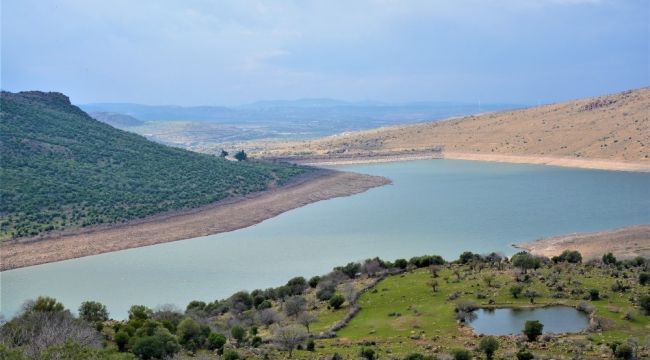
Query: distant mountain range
point(354, 113)
point(209, 128)
point(116, 120)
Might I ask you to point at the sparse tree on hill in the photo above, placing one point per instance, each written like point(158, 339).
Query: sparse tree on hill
point(525, 261)
point(241, 155)
point(289, 337)
point(294, 305)
point(434, 285)
point(488, 279)
point(305, 319)
point(350, 293)
point(268, 316)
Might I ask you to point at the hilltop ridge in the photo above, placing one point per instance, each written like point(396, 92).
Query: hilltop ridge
point(610, 128)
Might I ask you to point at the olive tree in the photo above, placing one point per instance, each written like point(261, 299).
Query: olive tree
point(489, 345)
point(93, 311)
point(533, 329)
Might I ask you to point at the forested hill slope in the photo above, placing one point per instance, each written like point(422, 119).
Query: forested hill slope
point(61, 169)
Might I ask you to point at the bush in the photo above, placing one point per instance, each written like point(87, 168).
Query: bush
point(594, 294)
point(46, 304)
point(367, 353)
point(644, 303)
point(157, 346)
point(489, 346)
point(311, 345)
point(297, 285)
point(139, 312)
point(401, 263)
point(230, 355)
point(570, 256)
point(238, 333)
point(121, 340)
point(427, 260)
point(466, 257)
point(351, 269)
point(533, 329)
point(191, 335)
point(462, 354)
point(516, 290)
point(525, 355)
point(644, 278)
point(326, 292)
point(241, 155)
point(93, 311)
point(313, 282)
point(418, 356)
point(624, 351)
point(336, 301)
point(609, 259)
point(216, 341)
point(264, 305)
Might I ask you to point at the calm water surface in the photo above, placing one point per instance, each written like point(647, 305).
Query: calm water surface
point(433, 207)
point(556, 319)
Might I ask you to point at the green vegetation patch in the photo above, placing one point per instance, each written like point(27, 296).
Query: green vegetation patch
point(62, 169)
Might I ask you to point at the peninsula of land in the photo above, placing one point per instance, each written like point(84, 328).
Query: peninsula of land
point(215, 218)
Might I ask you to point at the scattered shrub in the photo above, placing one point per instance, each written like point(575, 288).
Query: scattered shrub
point(533, 329)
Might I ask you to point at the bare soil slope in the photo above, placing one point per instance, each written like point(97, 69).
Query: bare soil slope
point(623, 243)
point(595, 132)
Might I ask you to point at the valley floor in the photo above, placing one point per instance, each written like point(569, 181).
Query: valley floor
point(212, 219)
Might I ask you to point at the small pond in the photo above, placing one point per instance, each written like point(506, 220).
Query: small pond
point(556, 319)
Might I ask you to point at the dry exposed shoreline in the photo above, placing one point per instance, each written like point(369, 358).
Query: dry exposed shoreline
point(624, 243)
point(596, 164)
point(212, 219)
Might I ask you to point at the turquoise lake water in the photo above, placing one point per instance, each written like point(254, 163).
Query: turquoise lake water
point(433, 207)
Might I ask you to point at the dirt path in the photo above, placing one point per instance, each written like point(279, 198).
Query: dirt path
point(212, 219)
point(624, 243)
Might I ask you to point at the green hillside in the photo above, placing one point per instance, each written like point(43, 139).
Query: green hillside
point(62, 169)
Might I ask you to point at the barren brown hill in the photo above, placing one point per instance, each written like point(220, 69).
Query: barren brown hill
point(611, 131)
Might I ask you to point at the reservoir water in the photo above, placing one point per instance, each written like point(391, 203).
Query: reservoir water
point(433, 207)
point(556, 319)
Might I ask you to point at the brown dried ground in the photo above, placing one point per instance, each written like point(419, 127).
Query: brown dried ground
point(623, 243)
point(212, 219)
point(608, 132)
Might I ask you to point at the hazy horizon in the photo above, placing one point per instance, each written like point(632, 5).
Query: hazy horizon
point(232, 53)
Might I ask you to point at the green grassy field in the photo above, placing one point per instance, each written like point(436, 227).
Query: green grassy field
point(426, 320)
point(400, 313)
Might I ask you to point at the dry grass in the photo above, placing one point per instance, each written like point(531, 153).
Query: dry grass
point(612, 128)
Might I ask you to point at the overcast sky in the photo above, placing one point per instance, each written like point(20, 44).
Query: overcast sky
point(232, 52)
